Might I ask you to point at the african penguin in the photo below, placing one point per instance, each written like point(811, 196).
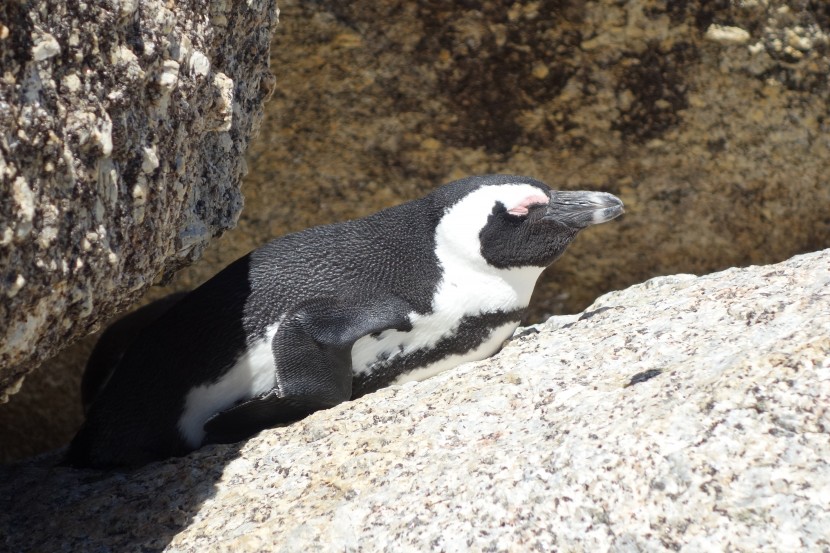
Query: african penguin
point(330, 313)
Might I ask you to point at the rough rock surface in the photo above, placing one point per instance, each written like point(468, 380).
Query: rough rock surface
point(708, 117)
point(686, 413)
point(124, 126)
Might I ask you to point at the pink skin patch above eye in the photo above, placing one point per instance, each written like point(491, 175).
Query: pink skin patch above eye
point(521, 208)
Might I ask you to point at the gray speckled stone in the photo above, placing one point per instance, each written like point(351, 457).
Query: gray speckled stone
point(561, 441)
point(123, 127)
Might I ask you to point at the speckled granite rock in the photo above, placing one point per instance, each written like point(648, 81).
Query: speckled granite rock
point(708, 118)
point(684, 413)
point(124, 126)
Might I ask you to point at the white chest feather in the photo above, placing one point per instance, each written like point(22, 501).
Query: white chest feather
point(253, 373)
point(456, 298)
point(487, 348)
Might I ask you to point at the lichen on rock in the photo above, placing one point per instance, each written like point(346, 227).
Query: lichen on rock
point(121, 154)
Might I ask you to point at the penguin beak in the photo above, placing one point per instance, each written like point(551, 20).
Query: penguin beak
point(582, 209)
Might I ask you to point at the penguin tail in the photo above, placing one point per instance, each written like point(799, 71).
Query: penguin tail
point(78, 453)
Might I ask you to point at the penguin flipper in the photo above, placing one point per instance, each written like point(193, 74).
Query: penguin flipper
point(312, 352)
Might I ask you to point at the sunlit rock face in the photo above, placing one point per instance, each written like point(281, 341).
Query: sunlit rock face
point(685, 412)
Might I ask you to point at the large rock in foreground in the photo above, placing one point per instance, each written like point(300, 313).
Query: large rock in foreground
point(124, 126)
point(681, 413)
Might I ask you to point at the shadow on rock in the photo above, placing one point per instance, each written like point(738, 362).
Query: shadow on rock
point(44, 507)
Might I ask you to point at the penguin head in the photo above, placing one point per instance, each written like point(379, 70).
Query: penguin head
point(506, 221)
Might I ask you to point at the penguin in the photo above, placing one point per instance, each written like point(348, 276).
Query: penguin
point(114, 341)
point(331, 313)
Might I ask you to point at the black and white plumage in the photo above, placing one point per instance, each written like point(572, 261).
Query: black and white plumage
point(330, 313)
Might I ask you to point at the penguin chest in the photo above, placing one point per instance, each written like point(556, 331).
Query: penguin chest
point(395, 357)
point(473, 314)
